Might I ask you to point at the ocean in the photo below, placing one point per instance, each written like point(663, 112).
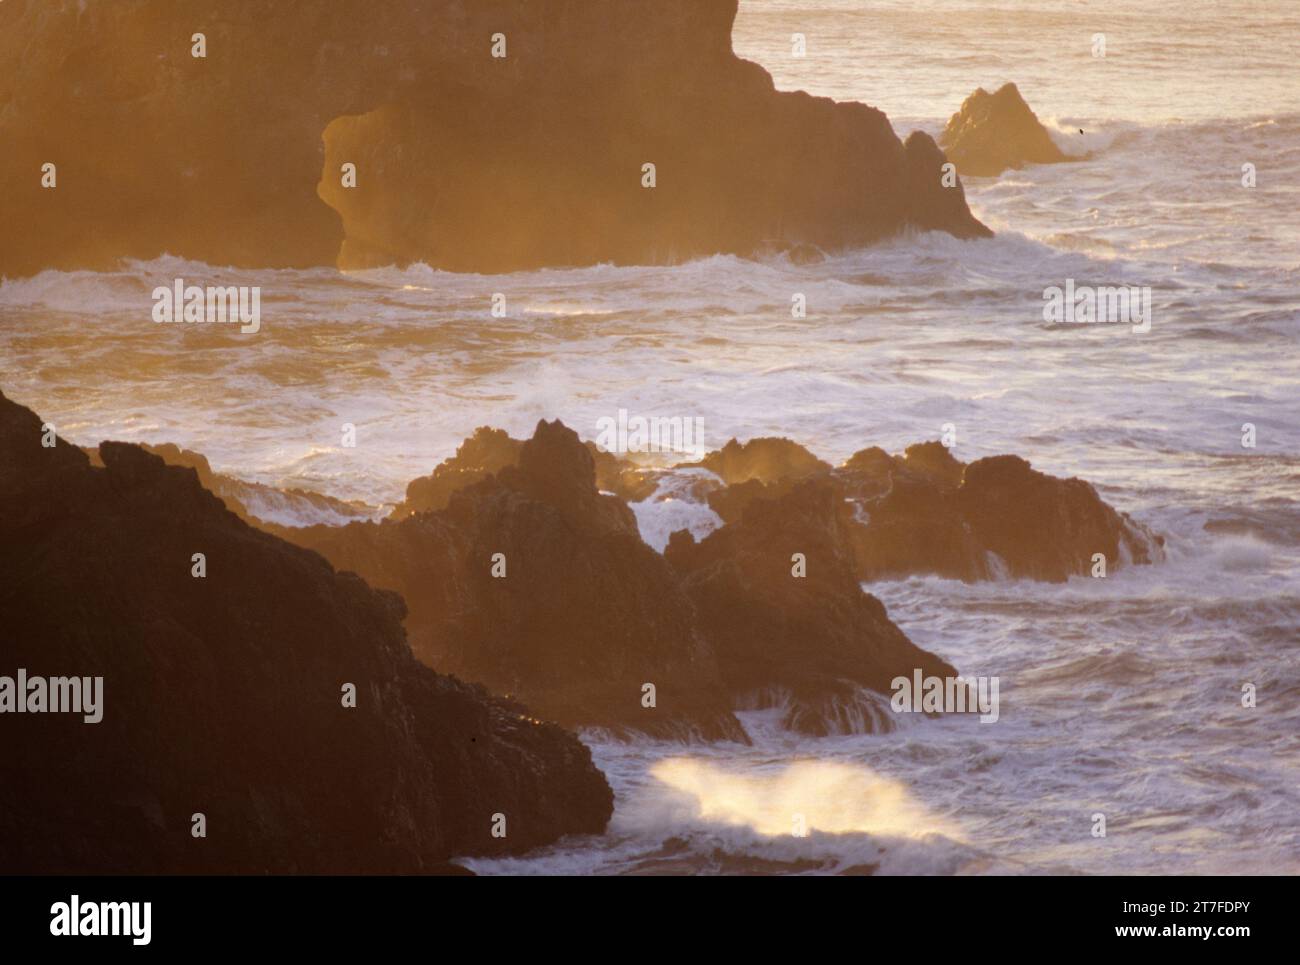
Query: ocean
point(1120, 697)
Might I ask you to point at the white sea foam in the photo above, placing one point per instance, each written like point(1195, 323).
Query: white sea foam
point(674, 505)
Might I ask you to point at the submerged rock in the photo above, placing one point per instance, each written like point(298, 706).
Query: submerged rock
point(992, 133)
point(223, 695)
point(464, 160)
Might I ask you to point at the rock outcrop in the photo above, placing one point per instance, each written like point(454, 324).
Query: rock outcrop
point(523, 568)
point(223, 695)
point(996, 132)
point(927, 512)
point(993, 518)
point(779, 599)
point(581, 613)
point(464, 160)
point(766, 459)
point(533, 582)
point(484, 453)
point(488, 451)
point(256, 503)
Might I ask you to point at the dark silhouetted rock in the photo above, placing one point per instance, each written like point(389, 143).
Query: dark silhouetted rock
point(622, 477)
point(260, 505)
point(223, 695)
point(1047, 528)
point(729, 502)
point(868, 472)
point(933, 461)
point(587, 614)
point(994, 132)
point(490, 450)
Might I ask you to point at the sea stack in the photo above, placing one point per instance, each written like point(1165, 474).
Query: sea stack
point(996, 132)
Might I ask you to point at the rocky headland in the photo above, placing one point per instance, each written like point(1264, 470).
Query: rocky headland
point(484, 136)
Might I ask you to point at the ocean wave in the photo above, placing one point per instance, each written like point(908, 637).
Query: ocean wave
point(695, 815)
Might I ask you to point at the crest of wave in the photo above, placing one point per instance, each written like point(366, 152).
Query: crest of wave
point(826, 796)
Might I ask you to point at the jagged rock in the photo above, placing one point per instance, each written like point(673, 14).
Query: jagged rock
point(1047, 528)
point(812, 636)
point(622, 477)
point(994, 132)
point(927, 512)
point(482, 454)
point(767, 459)
point(222, 695)
point(729, 502)
point(868, 472)
point(490, 450)
point(464, 161)
point(585, 615)
point(995, 517)
point(934, 462)
point(257, 504)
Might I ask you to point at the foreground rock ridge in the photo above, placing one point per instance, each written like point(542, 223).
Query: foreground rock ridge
point(223, 695)
point(992, 133)
point(463, 160)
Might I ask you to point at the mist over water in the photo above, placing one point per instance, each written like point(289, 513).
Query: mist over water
point(1119, 696)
